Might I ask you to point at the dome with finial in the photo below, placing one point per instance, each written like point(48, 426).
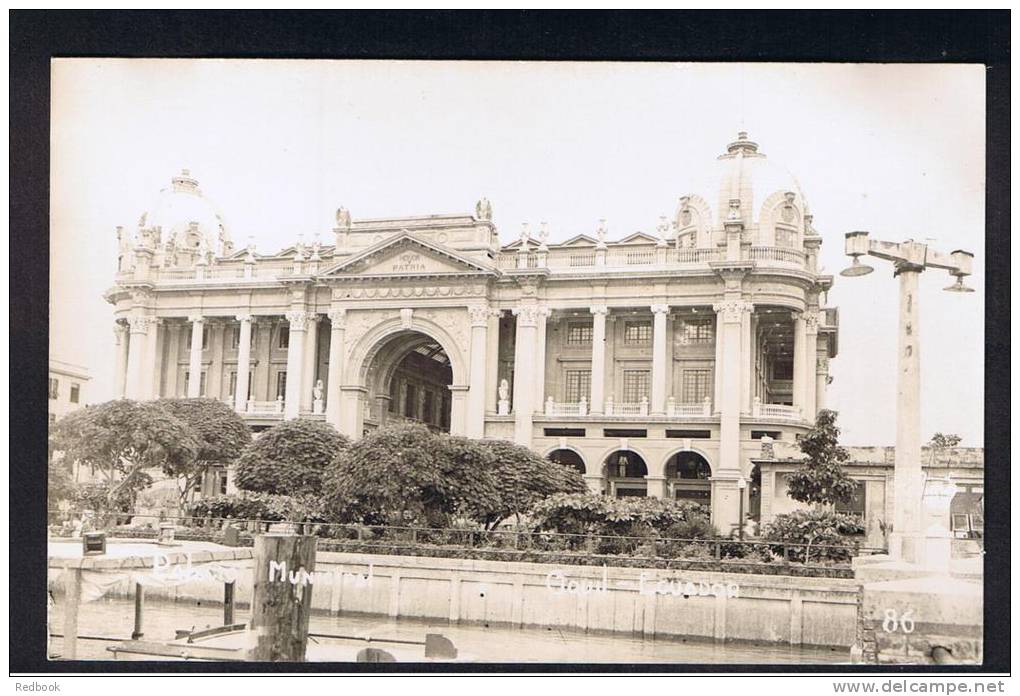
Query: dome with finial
point(183, 222)
point(744, 186)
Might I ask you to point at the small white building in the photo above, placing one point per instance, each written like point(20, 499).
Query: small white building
point(66, 388)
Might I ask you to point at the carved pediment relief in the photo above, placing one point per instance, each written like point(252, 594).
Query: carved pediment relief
point(405, 255)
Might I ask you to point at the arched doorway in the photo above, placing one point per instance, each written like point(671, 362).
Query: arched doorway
point(687, 475)
point(408, 379)
point(568, 457)
point(625, 471)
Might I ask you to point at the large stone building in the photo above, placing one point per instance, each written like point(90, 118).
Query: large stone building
point(654, 363)
point(67, 383)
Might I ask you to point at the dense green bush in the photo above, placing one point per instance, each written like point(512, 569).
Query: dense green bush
point(814, 528)
point(260, 506)
point(289, 459)
point(622, 525)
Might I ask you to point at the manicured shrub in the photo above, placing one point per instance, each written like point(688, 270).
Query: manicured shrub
point(816, 529)
point(258, 506)
point(289, 458)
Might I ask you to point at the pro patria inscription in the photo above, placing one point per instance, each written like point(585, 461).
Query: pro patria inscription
point(409, 262)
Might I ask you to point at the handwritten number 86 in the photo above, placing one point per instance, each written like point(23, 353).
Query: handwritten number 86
point(905, 621)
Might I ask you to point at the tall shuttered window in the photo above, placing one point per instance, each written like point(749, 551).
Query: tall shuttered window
point(635, 385)
point(578, 385)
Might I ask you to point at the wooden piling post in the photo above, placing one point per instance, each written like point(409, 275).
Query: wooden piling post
point(138, 631)
point(282, 596)
point(228, 604)
point(72, 598)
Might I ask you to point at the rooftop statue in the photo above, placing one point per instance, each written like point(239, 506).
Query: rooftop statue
point(343, 218)
point(483, 209)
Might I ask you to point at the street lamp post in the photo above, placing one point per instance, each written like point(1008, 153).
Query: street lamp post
point(909, 259)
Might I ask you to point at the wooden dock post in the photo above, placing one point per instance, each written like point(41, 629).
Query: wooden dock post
point(138, 632)
point(228, 604)
point(282, 596)
point(72, 597)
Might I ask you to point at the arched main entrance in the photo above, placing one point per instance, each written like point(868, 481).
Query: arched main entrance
point(625, 471)
point(687, 476)
point(408, 379)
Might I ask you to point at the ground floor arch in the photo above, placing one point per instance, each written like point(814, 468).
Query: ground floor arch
point(688, 477)
point(568, 457)
point(625, 473)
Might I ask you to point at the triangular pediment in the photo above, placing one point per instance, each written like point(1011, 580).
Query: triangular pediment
point(405, 255)
point(639, 238)
point(581, 240)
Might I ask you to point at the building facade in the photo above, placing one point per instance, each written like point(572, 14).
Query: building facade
point(653, 363)
point(67, 383)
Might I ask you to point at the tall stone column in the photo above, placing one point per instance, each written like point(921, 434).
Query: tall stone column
point(810, 364)
point(459, 394)
point(524, 373)
point(479, 315)
point(308, 362)
point(122, 337)
point(799, 363)
point(717, 382)
point(195, 362)
point(725, 494)
point(337, 324)
point(598, 359)
point(658, 405)
point(136, 347)
point(150, 376)
point(492, 362)
point(540, 329)
point(298, 321)
point(243, 363)
point(746, 353)
point(173, 338)
point(821, 380)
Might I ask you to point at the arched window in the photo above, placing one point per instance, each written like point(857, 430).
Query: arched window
point(688, 474)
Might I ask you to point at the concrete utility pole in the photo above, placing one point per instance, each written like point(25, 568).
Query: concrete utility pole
point(910, 258)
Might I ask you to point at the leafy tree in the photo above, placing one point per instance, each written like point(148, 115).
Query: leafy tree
point(522, 479)
point(221, 434)
point(941, 442)
point(822, 480)
point(813, 528)
point(404, 474)
point(289, 458)
point(123, 439)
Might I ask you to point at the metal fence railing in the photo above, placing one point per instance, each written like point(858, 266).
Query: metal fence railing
point(390, 539)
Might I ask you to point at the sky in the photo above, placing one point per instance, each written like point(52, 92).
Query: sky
point(279, 145)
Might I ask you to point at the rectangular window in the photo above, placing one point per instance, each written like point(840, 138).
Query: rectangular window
point(564, 432)
point(696, 385)
point(233, 383)
point(284, 337)
point(410, 397)
point(54, 390)
point(637, 332)
point(624, 432)
point(75, 391)
point(201, 384)
point(578, 385)
point(579, 334)
point(785, 237)
point(427, 407)
point(281, 384)
point(222, 482)
point(690, 434)
point(235, 337)
point(635, 385)
point(698, 331)
point(782, 369)
point(855, 506)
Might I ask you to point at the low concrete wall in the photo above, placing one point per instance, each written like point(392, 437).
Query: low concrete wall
point(648, 602)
